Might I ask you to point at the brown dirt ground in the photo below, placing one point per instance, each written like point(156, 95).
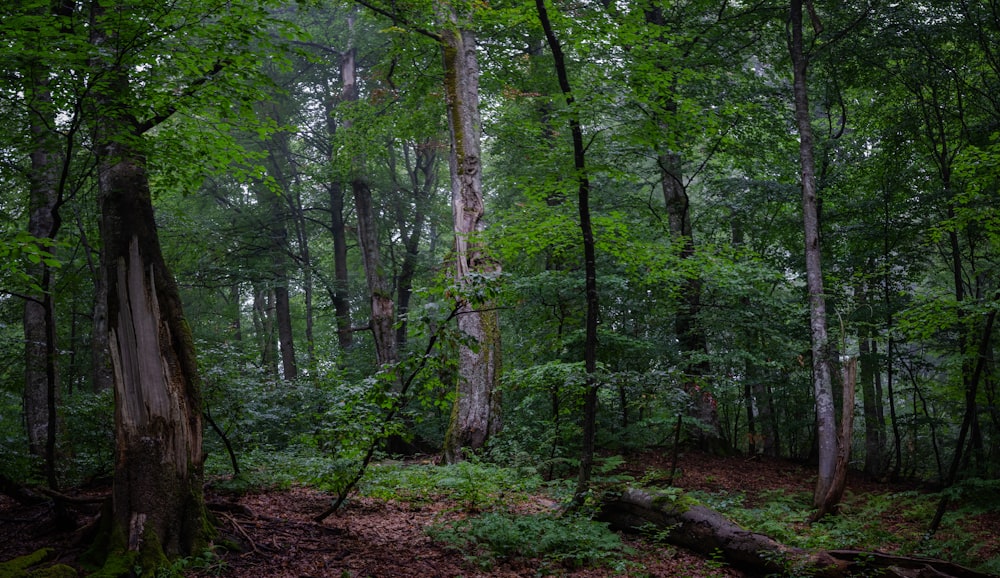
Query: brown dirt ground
point(373, 538)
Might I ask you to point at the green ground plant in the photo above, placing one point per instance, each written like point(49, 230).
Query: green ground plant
point(568, 541)
point(474, 485)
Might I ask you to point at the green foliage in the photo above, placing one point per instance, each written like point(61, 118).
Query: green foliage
point(29, 566)
point(476, 485)
point(88, 435)
point(15, 461)
point(205, 563)
point(566, 542)
point(18, 251)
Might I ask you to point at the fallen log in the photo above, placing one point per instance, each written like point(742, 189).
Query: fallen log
point(684, 522)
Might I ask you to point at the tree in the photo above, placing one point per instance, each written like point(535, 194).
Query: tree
point(475, 416)
point(158, 504)
point(589, 417)
point(41, 380)
point(383, 316)
point(157, 507)
point(827, 494)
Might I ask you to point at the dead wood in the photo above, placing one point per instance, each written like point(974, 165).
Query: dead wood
point(19, 493)
point(681, 521)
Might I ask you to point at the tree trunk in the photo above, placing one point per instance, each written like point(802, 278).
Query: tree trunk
point(282, 170)
point(826, 426)
point(41, 379)
point(341, 301)
point(158, 470)
point(102, 378)
point(263, 318)
point(157, 500)
point(157, 504)
point(383, 315)
point(338, 230)
point(305, 259)
point(686, 523)
point(382, 308)
point(283, 316)
point(422, 172)
point(476, 413)
point(696, 527)
point(100, 350)
point(871, 398)
point(589, 254)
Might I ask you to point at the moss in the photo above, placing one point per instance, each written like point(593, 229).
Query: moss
point(21, 567)
point(675, 502)
point(55, 571)
point(151, 556)
point(98, 550)
point(117, 564)
point(18, 567)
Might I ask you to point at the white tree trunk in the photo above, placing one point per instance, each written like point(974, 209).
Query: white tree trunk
point(475, 415)
point(826, 423)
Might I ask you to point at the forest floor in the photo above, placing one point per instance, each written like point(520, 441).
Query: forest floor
point(372, 537)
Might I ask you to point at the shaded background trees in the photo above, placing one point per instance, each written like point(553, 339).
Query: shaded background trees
point(303, 203)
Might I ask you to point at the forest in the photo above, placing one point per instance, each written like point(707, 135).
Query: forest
point(499, 288)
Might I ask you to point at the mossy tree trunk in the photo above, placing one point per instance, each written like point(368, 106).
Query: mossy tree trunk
point(475, 415)
point(682, 521)
point(158, 508)
point(158, 462)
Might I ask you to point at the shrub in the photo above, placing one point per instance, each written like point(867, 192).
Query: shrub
point(562, 541)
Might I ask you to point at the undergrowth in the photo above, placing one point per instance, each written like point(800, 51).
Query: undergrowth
point(894, 522)
point(558, 542)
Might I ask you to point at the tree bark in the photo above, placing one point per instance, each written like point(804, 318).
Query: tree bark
point(263, 319)
point(383, 314)
point(41, 379)
point(421, 168)
point(340, 296)
point(686, 523)
point(278, 154)
point(696, 527)
point(589, 254)
point(870, 395)
point(157, 505)
point(826, 423)
point(476, 412)
point(102, 377)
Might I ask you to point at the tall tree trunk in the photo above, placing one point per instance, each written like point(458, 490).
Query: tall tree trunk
point(100, 350)
point(690, 335)
point(382, 307)
point(874, 416)
point(822, 372)
point(278, 154)
point(421, 168)
point(263, 320)
point(41, 379)
point(283, 317)
point(383, 314)
point(339, 294)
point(157, 504)
point(305, 261)
point(102, 378)
point(589, 254)
point(476, 412)
point(340, 298)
